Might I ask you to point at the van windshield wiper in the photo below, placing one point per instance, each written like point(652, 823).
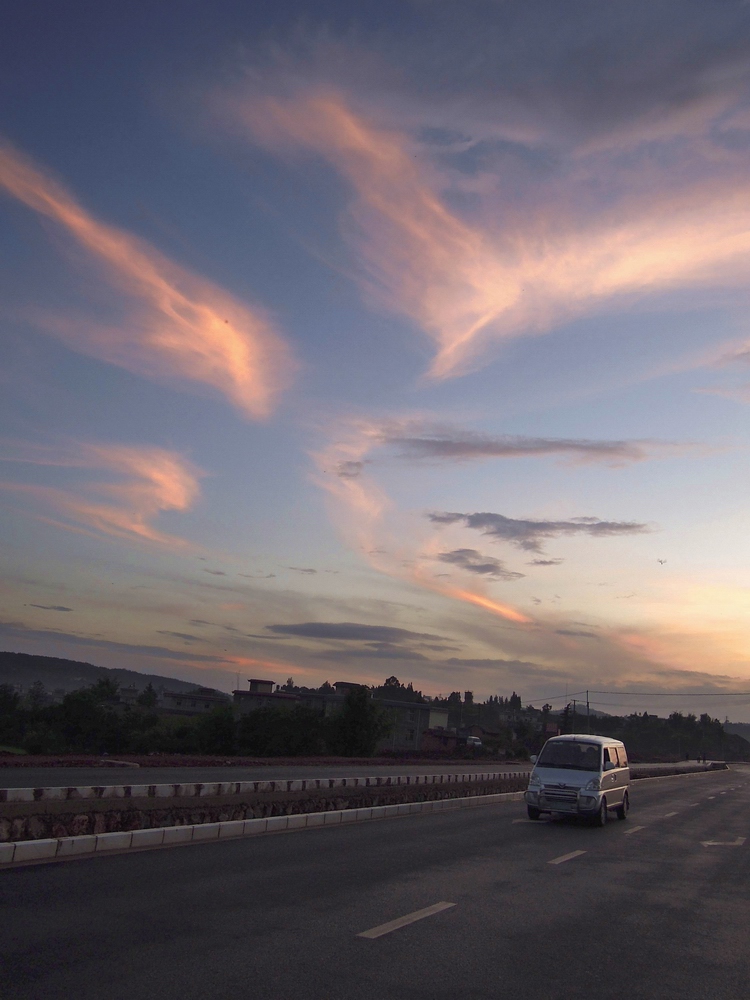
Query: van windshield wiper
point(567, 767)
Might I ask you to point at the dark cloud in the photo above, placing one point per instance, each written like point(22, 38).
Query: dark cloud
point(475, 562)
point(15, 630)
point(574, 632)
point(257, 576)
point(415, 440)
point(181, 635)
point(50, 607)
point(545, 562)
point(349, 470)
point(215, 572)
point(303, 569)
point(528, 534)
point(372, 651)
point(351, 632)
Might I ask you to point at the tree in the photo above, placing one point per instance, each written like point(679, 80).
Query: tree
point(147, 698)
point(37, 697)
point(359, 726)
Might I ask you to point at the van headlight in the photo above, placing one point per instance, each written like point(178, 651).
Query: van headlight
point(595, 785)
point(535, 781)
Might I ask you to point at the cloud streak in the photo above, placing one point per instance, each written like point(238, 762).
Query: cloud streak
point(464, 286)
point(178, 326)
point(475, 562)
point(420, 439)
point(350, 632)
point(528, 535)
point(131, 486)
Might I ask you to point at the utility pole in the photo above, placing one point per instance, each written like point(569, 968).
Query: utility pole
point(588, 714)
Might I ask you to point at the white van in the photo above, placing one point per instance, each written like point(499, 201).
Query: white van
point(581, 776)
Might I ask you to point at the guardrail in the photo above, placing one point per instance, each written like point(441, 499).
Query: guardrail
point(213, 788)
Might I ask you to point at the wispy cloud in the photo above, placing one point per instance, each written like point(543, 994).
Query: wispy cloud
point(350, 632)
point(464, 285)
point(50, 607)
point(361, 506)
point(179, 326)
point(527, 534)
point(129, 488)
point(415, 438)
point(475, 562)
point(17, 630)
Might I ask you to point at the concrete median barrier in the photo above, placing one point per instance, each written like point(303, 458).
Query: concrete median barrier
point(69, 848)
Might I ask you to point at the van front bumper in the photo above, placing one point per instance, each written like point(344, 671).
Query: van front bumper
point(582, 804)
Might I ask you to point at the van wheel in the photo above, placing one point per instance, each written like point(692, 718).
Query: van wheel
point(533, 813)
point(622, 811)
point(601, 816)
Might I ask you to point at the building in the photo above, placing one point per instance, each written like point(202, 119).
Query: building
point(409, 720)
point(198, 702)
point(261, 694)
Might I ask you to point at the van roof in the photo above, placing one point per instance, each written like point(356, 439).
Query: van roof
point(585, 738)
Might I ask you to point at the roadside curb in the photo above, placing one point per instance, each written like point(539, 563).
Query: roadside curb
point(678, 774)
point(24, 851)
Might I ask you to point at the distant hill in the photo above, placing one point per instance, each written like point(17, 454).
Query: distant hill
point(68, 675)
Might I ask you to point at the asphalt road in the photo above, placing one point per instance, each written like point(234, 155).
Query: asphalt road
point(52, 777)
point(639, 910)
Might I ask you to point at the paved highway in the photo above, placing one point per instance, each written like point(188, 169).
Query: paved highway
point(541, 911)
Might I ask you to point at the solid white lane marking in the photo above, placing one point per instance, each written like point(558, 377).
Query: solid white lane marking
point(724, 843)
point(566, 857)
point(634, 829)
point(669, 815)
point(410, 918)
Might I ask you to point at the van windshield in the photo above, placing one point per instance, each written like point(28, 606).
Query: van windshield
point(575, 756)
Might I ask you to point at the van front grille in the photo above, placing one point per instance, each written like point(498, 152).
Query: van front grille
point(560, 794)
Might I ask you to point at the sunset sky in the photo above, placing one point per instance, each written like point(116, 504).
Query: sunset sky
point(342, 340)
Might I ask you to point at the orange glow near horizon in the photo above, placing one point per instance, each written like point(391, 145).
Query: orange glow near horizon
point(181, 325)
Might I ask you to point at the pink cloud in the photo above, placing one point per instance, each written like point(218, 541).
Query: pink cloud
point(178, 325)
point(130, 487)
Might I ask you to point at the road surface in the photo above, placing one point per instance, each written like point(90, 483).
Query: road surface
point(541, 911)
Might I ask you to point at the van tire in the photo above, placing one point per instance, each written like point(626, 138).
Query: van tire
point(622, 811)
point(601, 816)
point(533, 813)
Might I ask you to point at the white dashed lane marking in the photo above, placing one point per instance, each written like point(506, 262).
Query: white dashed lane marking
point(724, 843)
point(669, 815)
point(566, 857)
point(410, 918)
point(634, 829)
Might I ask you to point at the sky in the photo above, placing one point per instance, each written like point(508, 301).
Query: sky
point(348, 340)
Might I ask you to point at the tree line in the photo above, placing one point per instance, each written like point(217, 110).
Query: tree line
point(91, 720)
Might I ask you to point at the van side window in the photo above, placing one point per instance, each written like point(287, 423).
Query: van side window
point(623, 756)
point(610, 753)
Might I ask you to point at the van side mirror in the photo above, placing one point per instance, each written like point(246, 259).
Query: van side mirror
point(532, 758)
point(609, 766)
